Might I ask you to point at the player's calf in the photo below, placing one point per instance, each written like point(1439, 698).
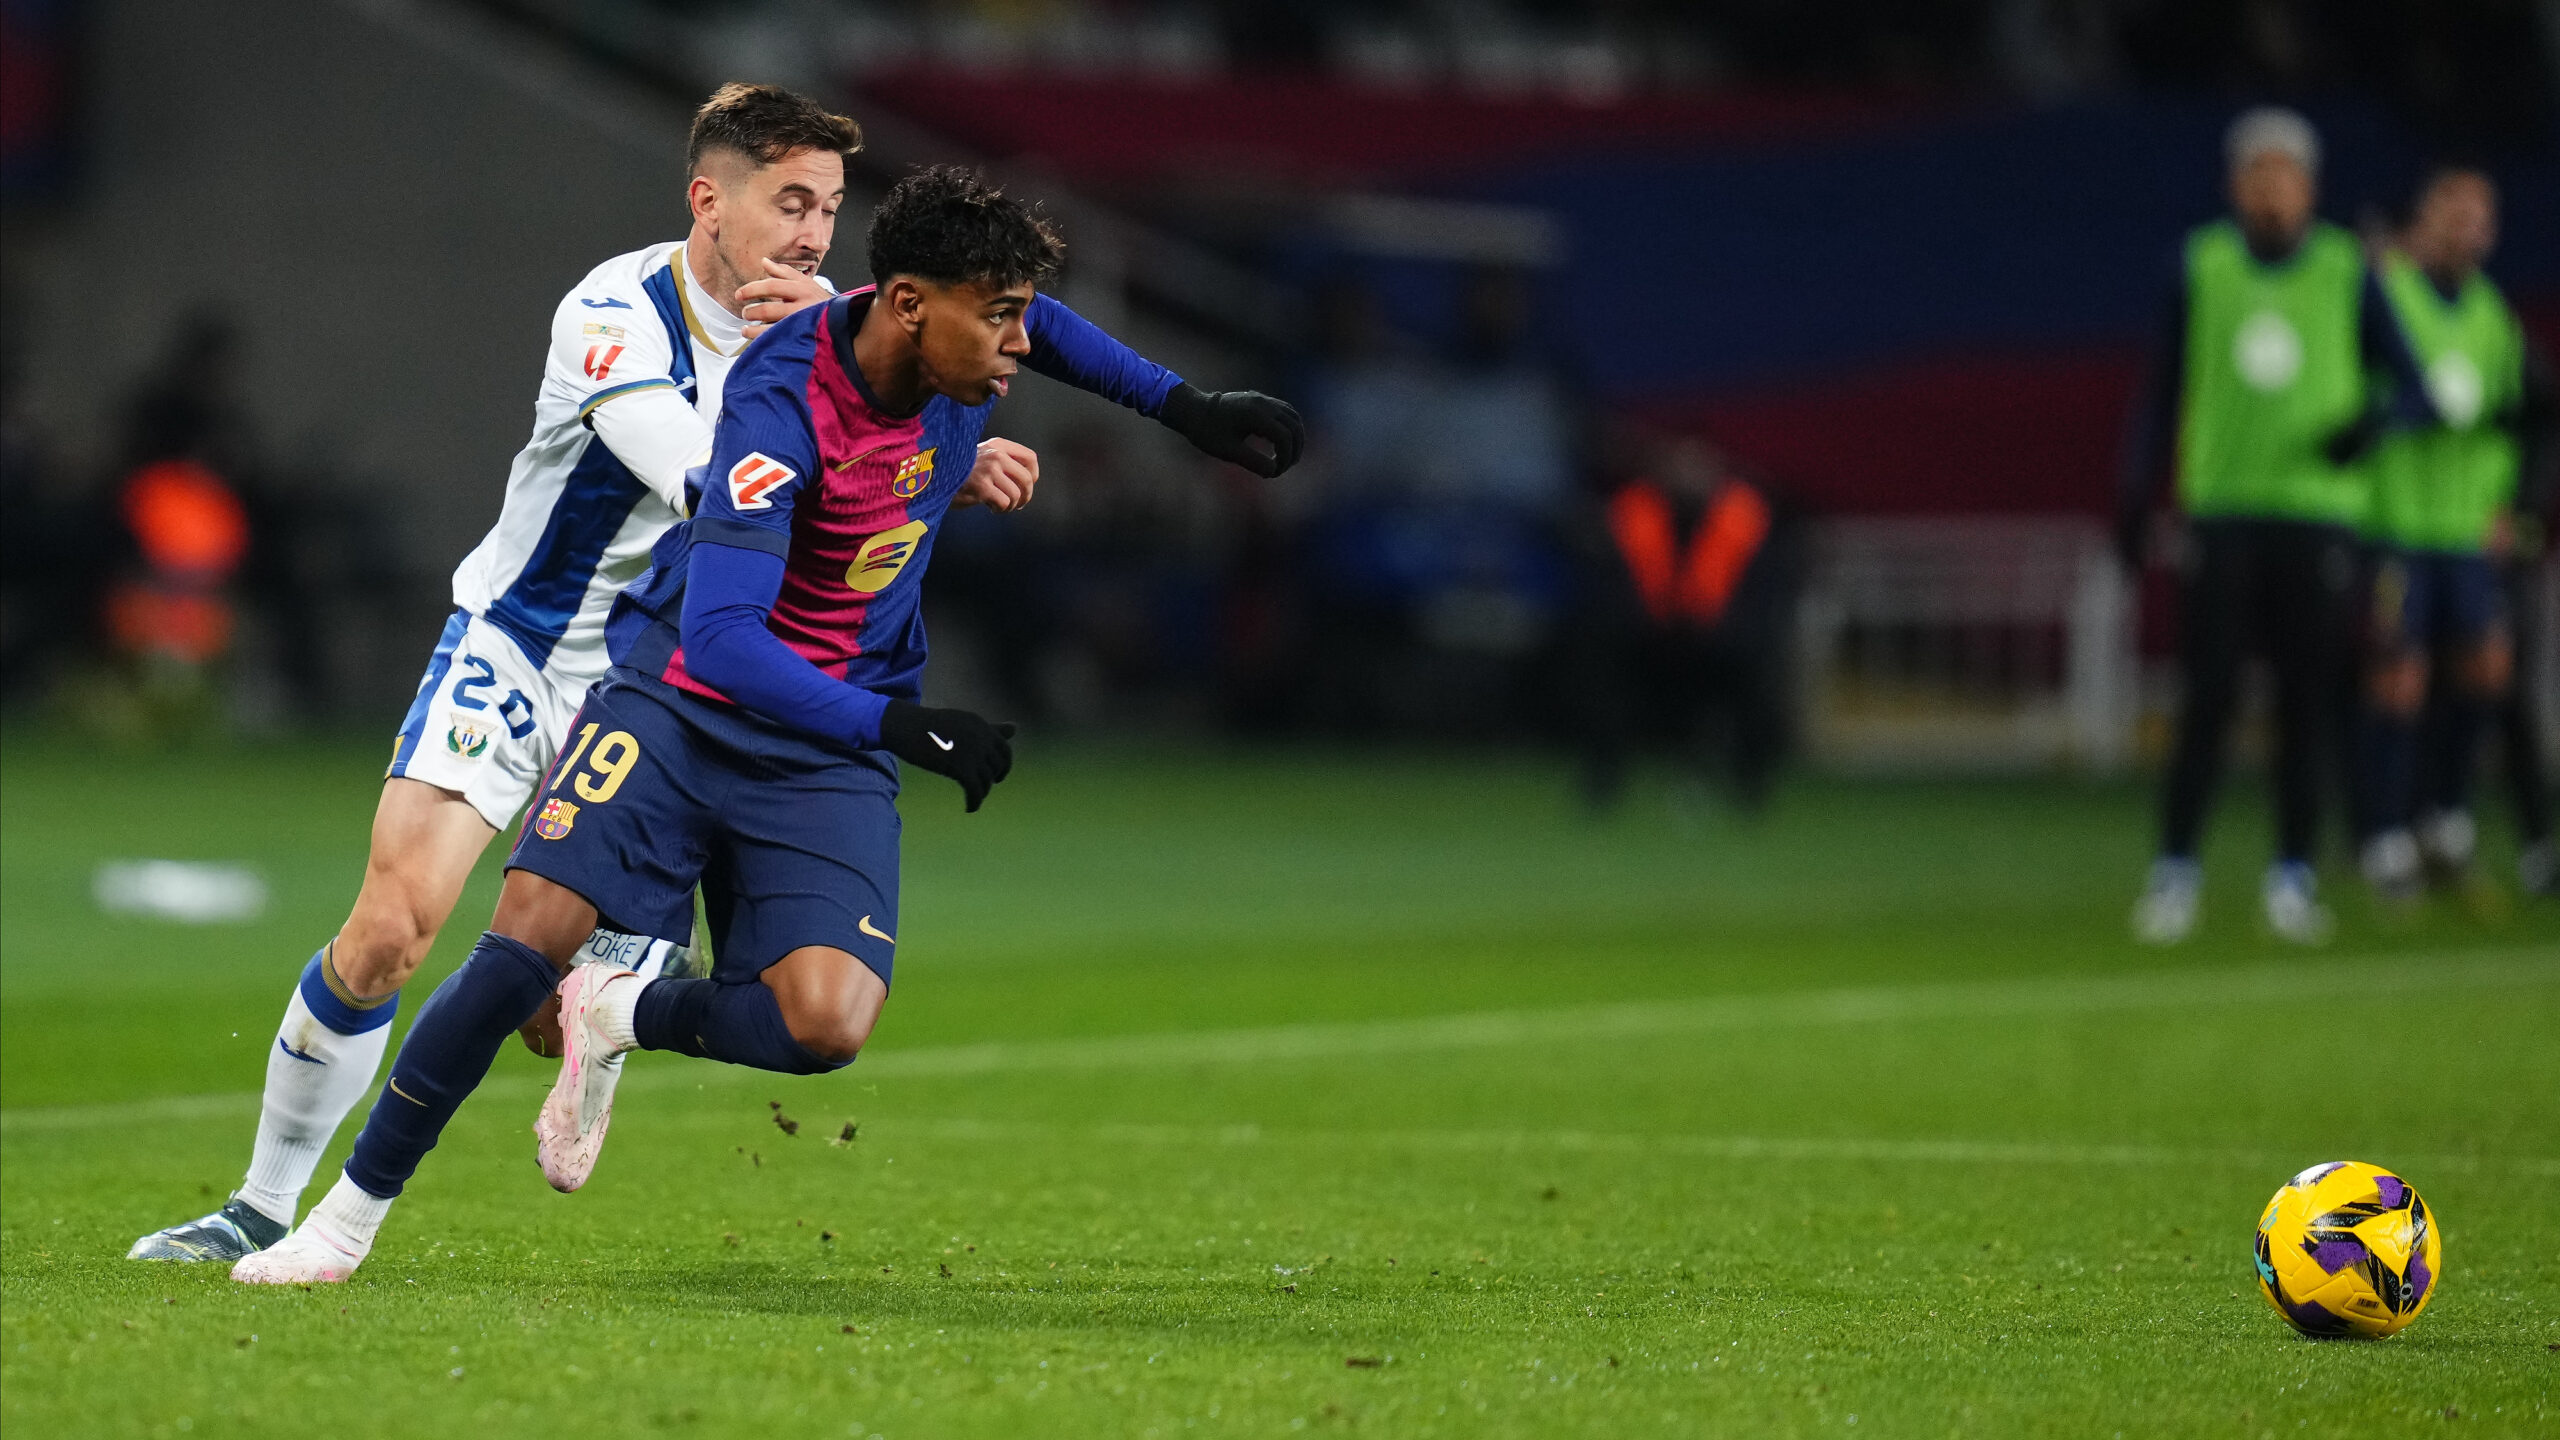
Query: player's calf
point(2487, 668)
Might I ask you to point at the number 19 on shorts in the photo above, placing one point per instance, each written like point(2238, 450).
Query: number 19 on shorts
point(593, 775)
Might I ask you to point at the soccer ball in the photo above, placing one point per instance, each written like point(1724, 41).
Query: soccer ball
point(2347, 1249)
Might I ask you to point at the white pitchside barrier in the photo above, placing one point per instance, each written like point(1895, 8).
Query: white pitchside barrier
point(1971, 643)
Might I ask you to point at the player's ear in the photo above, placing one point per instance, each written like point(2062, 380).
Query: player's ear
point(702, 197)
point(906, 303)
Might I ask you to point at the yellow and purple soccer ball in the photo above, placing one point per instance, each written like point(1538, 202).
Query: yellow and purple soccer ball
point(2348, 1250)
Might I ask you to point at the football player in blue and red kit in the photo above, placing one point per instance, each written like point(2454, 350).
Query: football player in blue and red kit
point(767, 682)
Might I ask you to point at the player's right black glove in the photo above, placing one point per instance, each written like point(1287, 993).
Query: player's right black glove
point(1226, 423)
point(2354, 440)
point(950, 742)
point(2133, 538)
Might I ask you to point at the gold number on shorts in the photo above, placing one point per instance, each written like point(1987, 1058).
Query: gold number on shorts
point(569, 761)
point(612, 761)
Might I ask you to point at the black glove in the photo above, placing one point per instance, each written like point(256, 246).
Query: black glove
point(1225, 425)
point(2133, 539)
point(2352, 440)
point(950, 742)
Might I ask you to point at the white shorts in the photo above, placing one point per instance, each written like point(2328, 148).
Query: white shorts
point(487, 721)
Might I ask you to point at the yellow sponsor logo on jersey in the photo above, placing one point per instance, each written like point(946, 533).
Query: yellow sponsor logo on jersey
point(609, 332)
point(878, 560)
point(913, 476)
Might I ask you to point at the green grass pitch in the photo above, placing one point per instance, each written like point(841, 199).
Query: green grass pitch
point(1290, 1093)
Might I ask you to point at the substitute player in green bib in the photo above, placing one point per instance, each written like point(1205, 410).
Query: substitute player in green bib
point(2440, 521)
point(2260, 393)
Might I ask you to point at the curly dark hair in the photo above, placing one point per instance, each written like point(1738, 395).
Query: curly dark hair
point(765, 123)
point(946, 224)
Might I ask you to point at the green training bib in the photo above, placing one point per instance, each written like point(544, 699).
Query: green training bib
point(2441, 488)
point(2272, 371)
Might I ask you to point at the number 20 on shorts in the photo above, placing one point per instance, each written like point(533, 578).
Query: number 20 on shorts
point(606, 768)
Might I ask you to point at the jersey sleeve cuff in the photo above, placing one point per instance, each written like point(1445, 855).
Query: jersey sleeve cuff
point(611, 392)
point(721, 530)
point(867, 708)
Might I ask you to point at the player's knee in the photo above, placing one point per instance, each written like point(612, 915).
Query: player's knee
point(545, 915)
point(832, 1028)
point(2398, 686)
point(382, 943)
point(834, 1039)
point(2488, 669)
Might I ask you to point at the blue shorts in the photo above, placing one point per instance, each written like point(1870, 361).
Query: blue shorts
point(794, 843)
point(2430, 600)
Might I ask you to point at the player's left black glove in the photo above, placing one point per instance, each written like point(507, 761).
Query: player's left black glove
point(2354, 440)
point(956, 743)
point(1226, 424)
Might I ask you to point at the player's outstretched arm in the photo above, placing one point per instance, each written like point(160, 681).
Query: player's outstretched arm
point(1243, 427)
point(1262, 433)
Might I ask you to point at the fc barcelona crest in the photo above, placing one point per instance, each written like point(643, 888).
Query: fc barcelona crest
point(555, 818)
point(913, 476)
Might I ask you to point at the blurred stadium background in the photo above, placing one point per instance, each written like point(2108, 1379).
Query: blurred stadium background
point(1898, 267)
point(1284, 1019)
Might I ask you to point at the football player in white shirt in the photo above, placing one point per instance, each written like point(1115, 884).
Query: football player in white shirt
point(629, 396)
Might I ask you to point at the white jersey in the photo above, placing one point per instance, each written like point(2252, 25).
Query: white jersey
point(578, 521)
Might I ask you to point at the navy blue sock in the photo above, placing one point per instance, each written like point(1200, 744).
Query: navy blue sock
point(2458, 755)
point(741, 1024)
point(448, 1050)
point(2390, 749)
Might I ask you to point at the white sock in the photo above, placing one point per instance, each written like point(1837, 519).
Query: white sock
point(615, 1012)
point(304, 1103)
point(350, 1215)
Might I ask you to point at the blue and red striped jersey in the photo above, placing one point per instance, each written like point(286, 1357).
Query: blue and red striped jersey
point(808, 466)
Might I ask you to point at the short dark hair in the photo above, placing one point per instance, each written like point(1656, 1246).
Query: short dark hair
point(2442, 169)
point(946, 224)
point(765, 123)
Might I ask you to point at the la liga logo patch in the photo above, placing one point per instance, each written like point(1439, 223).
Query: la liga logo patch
point(753, 480)
point(555, 818)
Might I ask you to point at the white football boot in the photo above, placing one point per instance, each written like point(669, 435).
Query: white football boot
point(314, 1254)
point(2391, 866)
point(2172, 901)
point(2538, 868)
point(2449, 839)
point(569, 1133)
point(2293, 908)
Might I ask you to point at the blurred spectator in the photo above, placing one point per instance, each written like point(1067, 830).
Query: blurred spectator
point(51, 550)
point(1440, 478)
point(1494, 423)
point(190, 411)
point(1690, 573)
point(174, 612)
